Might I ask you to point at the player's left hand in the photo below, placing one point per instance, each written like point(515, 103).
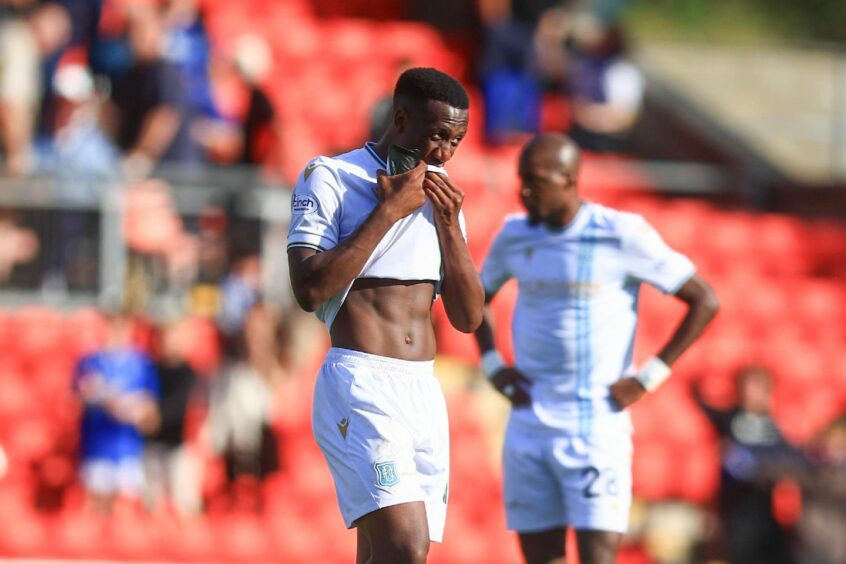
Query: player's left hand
point(446, 198)
point(627, 391)
point(513, 385)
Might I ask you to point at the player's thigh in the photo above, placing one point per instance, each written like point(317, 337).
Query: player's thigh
point(358, 424)
point(534, 500)
point(398, 533)
point(429, 426)
point(544, 547)
point(597, 481)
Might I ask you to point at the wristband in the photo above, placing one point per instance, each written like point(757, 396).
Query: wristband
point(492, 363)
point(653, 373)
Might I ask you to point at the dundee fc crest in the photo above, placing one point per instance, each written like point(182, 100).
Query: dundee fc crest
point(386, 473)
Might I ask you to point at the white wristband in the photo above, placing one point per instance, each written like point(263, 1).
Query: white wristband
point(653, 373)
point(492, 363)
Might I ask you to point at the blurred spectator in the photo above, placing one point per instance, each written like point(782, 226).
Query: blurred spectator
point(239, 292)
point(17, 244)
point(118, 387)
point(752, 444)
point(187, 47)
point(84, 162)
point(822, 526)
point(85, 20)
point(507, 72)
point(606, 87)
point(26, 39)
point(261, 132)
point(154, 113)
point(256, 139)
point(240, 407)
point(170, 468)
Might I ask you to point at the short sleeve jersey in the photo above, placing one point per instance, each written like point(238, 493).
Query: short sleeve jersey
point(334, 196)
point(576, 313)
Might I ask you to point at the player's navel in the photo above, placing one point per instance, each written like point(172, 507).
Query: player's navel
point(408, 340)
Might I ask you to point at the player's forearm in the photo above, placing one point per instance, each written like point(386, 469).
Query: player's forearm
point(699, 314)
point(484, 334)
point(463, 295)
point(322, 275)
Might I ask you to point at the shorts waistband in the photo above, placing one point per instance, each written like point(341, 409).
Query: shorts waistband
point(410, 367)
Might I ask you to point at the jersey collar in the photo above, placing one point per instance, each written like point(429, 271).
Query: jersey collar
point(575, 224)
point(371, 148)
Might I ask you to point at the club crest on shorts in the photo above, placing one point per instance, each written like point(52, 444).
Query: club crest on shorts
point(386, 473)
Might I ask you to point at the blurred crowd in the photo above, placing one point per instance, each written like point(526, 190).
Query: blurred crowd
point(99, 89)
point(165, 430)
point(537, 51)
point(777, 502)
point(96, 89)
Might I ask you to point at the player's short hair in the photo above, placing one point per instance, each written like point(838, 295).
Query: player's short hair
point(424, 84)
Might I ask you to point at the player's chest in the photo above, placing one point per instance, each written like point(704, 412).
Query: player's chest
point(565, 267)
point(359, 203)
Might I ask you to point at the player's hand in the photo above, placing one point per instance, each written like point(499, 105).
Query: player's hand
point(401, 194)
point(626, 391)
point(446, 198)
point(513, 385)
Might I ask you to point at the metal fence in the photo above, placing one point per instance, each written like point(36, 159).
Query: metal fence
point(61, 249)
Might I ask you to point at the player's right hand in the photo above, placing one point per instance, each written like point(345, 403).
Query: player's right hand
point(402, 194)
point(511, 383)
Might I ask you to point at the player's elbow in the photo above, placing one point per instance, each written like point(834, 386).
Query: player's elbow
point(306, 298)
point(468, 324)
point(709, 304)
point(469, 319)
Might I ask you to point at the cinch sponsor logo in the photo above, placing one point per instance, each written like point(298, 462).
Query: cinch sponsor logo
point(303, 204)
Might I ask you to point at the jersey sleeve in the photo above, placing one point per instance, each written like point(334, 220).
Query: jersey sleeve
point(495, 271)
point(649, 259)
point(315, 209)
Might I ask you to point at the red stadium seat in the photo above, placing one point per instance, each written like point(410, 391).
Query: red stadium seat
point(652, 470)
point(38, 333)
point(698, 471)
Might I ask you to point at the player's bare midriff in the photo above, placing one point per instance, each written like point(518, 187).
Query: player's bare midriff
point(387, 317)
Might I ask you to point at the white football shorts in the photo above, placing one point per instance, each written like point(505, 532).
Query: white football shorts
point(556, 480)
point(382, 426)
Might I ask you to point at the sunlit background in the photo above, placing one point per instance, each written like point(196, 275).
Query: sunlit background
point(147, 152)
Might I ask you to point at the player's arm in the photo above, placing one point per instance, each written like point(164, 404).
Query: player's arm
point(316, 276)
point(461, 288)
point(507, 380)
point(702, 306)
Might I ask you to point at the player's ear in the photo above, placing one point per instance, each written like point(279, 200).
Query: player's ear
point(400, 118)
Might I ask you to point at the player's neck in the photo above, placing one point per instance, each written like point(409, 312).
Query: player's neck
point(566, 217)
point(381, 147)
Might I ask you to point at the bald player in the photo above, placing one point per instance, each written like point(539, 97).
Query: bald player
point(568, 451)
point(369, 253)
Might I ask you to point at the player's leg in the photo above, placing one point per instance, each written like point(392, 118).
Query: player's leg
point(399, 533)
point(598, 547)
point(362, 420)
point(362, 547)
point(544, 547)
point(597, 484)
point(534, 501)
